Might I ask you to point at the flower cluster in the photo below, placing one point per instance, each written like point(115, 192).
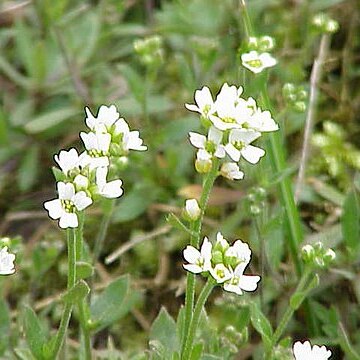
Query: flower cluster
point(6, 262)
point(256, 57)
point(83, 177)
point(317, 256)
point(233, 124)
point(304, 351)
point(225, 263)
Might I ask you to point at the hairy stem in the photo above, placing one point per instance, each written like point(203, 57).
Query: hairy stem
point(65, 318)
point(205, 292)
point(194, 241)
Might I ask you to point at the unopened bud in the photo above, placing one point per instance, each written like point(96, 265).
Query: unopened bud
point(192, 210)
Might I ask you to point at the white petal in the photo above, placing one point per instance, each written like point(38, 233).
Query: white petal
point(220, 152)
point(66, 190)
point(232, 152)
point(193, 268)
point(54, 208)
point(121, 127)
point(215, 135)
point(112, 189)
point(302, 351)
point(267, 60)
point(94, 163)
point(206, 248)
point(232, 288)
point(203, 98)
point(108, 115)
point(192, 107)
point(101, 173)
point(249, 282)
point(191, 254)
point(81, 181)
point(103, 142)
point(252, 154)
point(81, 200)
point(68, 220)
point(90, 120)
point(89, 140)
point(197, 140)
point(246, 136)
point(134, 142)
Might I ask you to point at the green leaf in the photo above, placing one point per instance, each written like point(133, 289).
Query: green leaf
point(163, 330)
point(134, 204)
point(296, 299)
point(4, 326)
point(76, 293)
point(28, 170)
point(49, 119)
point(197, 351)
point(58, 174)
point(83, 270)
point(113, 303)
point(36, 336)
point(24, 354)
point(261, 324)
point(350, 221)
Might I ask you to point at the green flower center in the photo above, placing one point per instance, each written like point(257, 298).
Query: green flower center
point(235, 280)
point(206, 109)
point(220, 273)
point(96, 153)
point(239, 145)
point(210, 147)
point(228, 120)
point(68, 206)
point(254, 63)
point(200, 262)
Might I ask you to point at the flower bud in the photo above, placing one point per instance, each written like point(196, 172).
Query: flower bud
point(231, 171)
point(192, 210)
point(203, 161)
point(266, 43)
point(307, 253)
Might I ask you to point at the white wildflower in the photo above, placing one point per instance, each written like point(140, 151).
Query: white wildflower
point(221, 273)
point(198, 261)
point(256, 62)
point(111, 189)
point(68, 160)
point(192, 209)
point(304, 351)
point(212, 144)
point(239, 145)
point(64, 208)
point(6, 262)
point(97, 149)
point(106, 117)
point(204, 102)
point(262, 121)
point(231, 171)
point(130, 139)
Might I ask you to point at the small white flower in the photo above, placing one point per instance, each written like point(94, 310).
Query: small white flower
point(192, 209)
point(81, 182)
point(111, 189)
point(230, 112)
point(231, 171)
point(97, 149)
point(64, 208)
point(68, 160)
point(106, 117)
point(221, 242)
point(212, 144)
point(256, 62)
point(198, 261)
point(240, 282)
point(203, 161)
point(221, 273)
point(204, 102)
point(241, 251)
point(262, 121)
point(303, 351)
point(130, 139)
point(6, 262)
point(239, 145)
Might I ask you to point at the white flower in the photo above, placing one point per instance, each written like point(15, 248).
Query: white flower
point(212, 144)
point(97, 149)
point(230, 112)
point(221, 242)
point(65, 207)
point(203, 161)
point(130, 139)
point(239, 145)
point(262, 121)
point(221, 273)
point(240, 251)
point(68, 160)
point(303, 351)
point(111, 189)
point(256, 62)
point(198, 261)
point(204, 102)
point(231, 171)
point(240, 282)
point(81, 182)
point(6, 262)
point(106, 117)
point(192, 209)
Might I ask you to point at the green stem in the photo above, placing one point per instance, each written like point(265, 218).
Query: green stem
point(290, 310)
point(194, 241)
point(205, 292)
point(83, 316)
point(65, 319)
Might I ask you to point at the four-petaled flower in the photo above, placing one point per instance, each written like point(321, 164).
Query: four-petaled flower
point(204, 102)
point(68, 160)
point(6, 262)
point(130, 140)
point(304, 351)
point(212, 144)
point(65, 207)
point(256, 62)
point(198, 261)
